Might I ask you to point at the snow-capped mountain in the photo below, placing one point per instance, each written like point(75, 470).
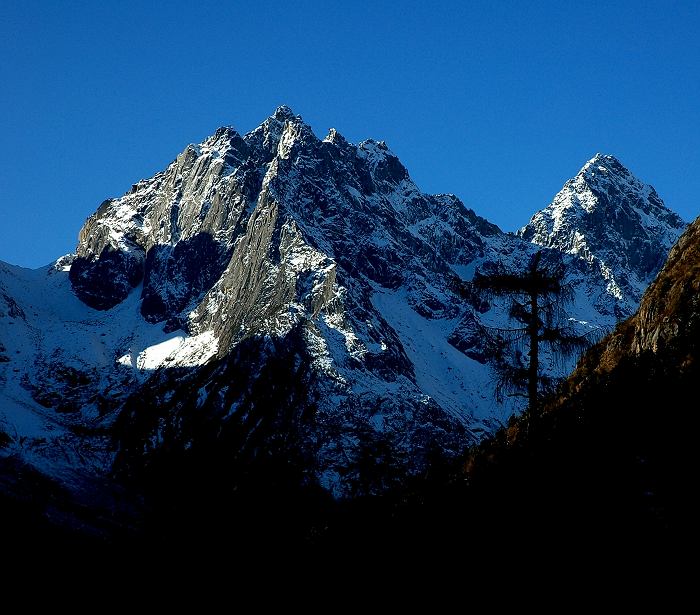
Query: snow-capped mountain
point(279, 297)
point(615, 222)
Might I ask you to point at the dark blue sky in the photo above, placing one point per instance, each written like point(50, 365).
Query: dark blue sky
point(499, 102)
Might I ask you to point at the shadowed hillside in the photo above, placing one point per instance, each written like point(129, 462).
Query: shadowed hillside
point(615, 457)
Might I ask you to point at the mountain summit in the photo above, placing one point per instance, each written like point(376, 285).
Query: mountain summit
point(273, 304)
point(612, 220)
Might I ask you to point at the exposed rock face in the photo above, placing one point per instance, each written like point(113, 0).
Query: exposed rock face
point(669, 316)
point(615, 222)
point(667, 323)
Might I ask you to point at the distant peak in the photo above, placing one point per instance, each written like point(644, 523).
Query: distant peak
point(223, 137)
point(226, 132)
point(600, 157)
point(335, 137)
point(605, 162)
point(283, 112)
point(370, 145)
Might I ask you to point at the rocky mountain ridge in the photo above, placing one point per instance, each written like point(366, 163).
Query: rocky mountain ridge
point(278, 295)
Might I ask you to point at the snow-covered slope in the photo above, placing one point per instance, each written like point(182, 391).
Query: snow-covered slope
point(615, 222)
point(65, 368)
point(274, 296)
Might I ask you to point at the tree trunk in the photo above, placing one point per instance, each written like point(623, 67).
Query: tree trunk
point(534, 365)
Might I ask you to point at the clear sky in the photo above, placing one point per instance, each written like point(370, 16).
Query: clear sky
point(497, 102)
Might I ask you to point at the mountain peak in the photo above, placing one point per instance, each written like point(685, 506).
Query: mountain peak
point(605, 165)
point(613, 220)
point(265, 139)
point(601, 158)
point(335, 137)
point(283, 112)
point(225, 132)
